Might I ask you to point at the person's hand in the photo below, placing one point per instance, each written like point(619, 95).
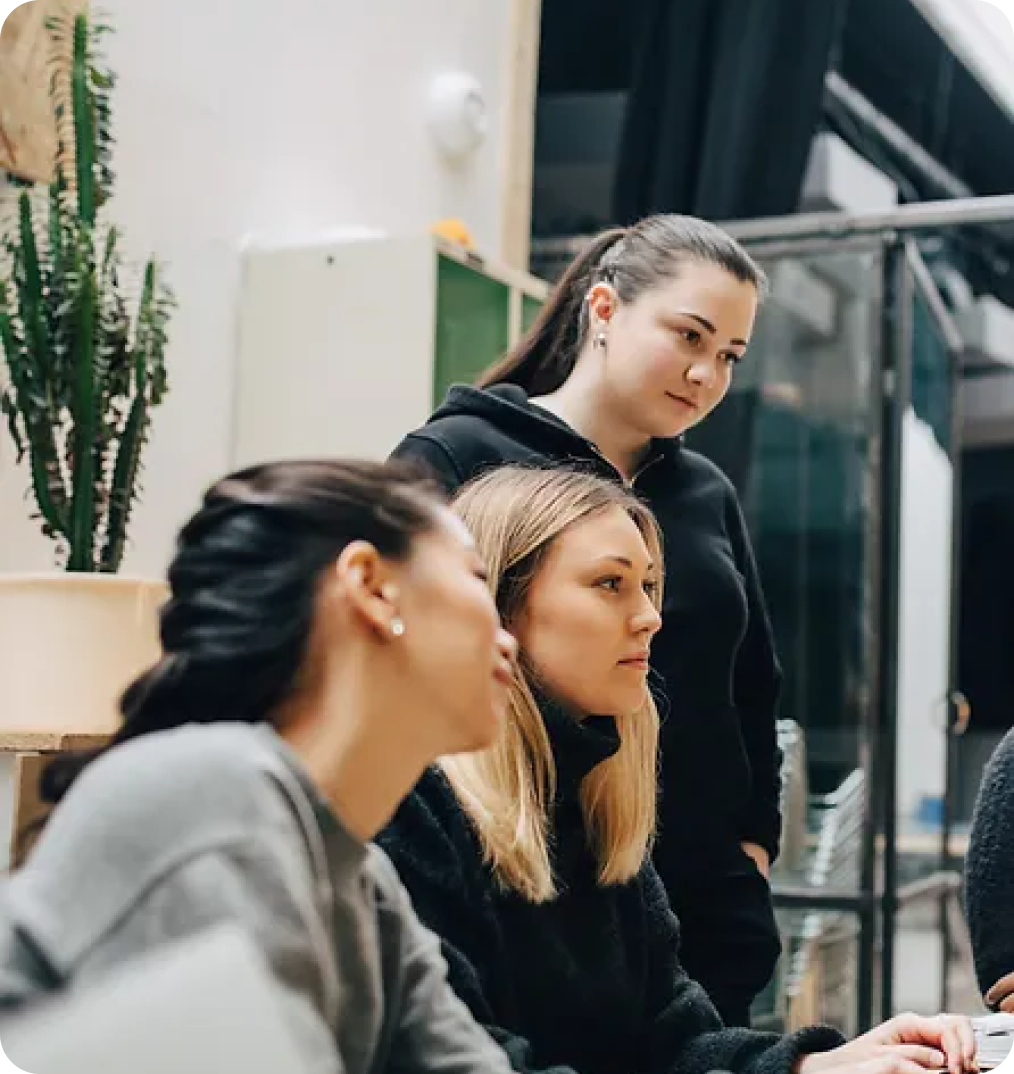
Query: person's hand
point(760, 857)
point(1001, 996)
point(907, 1044)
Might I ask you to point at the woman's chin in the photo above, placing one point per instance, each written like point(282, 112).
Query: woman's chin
point(625, 703)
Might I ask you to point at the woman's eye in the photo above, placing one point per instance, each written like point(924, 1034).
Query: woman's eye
point(651, 588)
point(732, 358)
point(612, 584)
point(691, 336)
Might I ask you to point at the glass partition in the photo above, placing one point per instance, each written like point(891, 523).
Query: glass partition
point(796, 435)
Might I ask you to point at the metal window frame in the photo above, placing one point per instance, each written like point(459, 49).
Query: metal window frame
point(905, 274)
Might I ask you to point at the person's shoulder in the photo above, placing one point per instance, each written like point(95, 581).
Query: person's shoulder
point(705, 473)
point(455, 435)
point(431, 807)
point(1002, 759)
point(430, 832)
point(452, 448)
point(997, 788)
point(196, 782)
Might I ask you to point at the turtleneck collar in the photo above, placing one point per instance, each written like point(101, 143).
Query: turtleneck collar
point(578, 745)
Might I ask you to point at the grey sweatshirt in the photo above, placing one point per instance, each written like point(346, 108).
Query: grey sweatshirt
point(177, 832)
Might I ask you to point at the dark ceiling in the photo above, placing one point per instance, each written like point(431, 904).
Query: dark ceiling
point(887, 51)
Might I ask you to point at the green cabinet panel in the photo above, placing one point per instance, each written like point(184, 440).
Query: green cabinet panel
point(473, 324)
point(529, 311)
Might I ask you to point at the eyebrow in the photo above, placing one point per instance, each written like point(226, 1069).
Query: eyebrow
point(624, 562)
point(706, 324)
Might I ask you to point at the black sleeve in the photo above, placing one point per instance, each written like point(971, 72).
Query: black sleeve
point(757, 681)
point(432, 457)
point(684, 1031)
point(989, 870)
point(434, 851)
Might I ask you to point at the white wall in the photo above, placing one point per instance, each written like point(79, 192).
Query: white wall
point(925, 616)
point(236, 117)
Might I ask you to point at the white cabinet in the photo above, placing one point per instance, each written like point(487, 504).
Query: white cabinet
point(344, 346)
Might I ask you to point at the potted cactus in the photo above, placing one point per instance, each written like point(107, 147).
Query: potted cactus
point(84, 365)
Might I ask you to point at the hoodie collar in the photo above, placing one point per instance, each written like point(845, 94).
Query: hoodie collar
point(507, 407)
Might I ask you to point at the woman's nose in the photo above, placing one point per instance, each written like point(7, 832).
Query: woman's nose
point(701, 373)
point(507, 644)
point(648, 620)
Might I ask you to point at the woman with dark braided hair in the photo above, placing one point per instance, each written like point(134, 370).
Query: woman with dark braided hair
point(328, 635)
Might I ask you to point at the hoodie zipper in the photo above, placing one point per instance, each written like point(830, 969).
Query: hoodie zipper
point(654, 461)
point(614, 472)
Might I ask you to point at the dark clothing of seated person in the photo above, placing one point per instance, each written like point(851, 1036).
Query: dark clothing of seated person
point(989, 880)
point(531, 858)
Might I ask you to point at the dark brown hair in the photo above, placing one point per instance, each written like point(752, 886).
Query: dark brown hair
point(633, 260)
point(243, 590)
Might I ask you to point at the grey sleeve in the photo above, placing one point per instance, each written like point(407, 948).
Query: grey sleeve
point(433, 1030)
point(251, 885)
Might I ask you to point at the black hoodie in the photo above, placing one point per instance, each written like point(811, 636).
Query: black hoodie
point(716, 675)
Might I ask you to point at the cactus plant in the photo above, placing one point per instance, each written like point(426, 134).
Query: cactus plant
point(85, 363)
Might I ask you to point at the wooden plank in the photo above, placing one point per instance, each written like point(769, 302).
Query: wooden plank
point(519, 145)
point(30, 811)
point(14, 741)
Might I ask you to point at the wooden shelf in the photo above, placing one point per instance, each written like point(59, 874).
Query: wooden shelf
point(49, 741)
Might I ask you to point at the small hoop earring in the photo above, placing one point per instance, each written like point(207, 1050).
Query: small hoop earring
point(398, 627)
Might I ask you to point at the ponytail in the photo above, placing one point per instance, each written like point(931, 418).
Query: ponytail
point(545, 357)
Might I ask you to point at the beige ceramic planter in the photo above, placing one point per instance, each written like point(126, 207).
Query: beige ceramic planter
point(69, 644)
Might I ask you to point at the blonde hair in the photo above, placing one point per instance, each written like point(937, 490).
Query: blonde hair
point(514, 515)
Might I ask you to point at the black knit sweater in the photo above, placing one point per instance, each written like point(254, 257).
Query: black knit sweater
point(714, 671)
point(989, 870)
point(588, 982)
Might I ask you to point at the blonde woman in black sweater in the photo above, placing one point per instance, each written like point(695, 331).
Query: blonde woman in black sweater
point(530, 858)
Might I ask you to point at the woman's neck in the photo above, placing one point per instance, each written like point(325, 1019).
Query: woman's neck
point(579, 402)
point(357, 759)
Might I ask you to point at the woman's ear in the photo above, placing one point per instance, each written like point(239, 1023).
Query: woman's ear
point(366, 583)
point(602, 302)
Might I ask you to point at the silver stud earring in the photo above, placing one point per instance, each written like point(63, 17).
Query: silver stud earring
point(398, 627)
point(600, 340)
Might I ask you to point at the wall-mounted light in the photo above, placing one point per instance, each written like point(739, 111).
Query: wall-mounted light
point(456, 111)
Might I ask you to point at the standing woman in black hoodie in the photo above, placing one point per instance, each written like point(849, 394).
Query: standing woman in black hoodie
point(636, 344)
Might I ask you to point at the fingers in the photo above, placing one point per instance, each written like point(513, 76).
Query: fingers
point(891, 1063)
point(957, 1040)
point(966, 1043)
point(929, 1058)
point(1001, 992)
point(907, 1029)
point(950, 1034)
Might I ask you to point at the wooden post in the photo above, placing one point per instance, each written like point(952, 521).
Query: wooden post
point(32, 752)
point(519, 145)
